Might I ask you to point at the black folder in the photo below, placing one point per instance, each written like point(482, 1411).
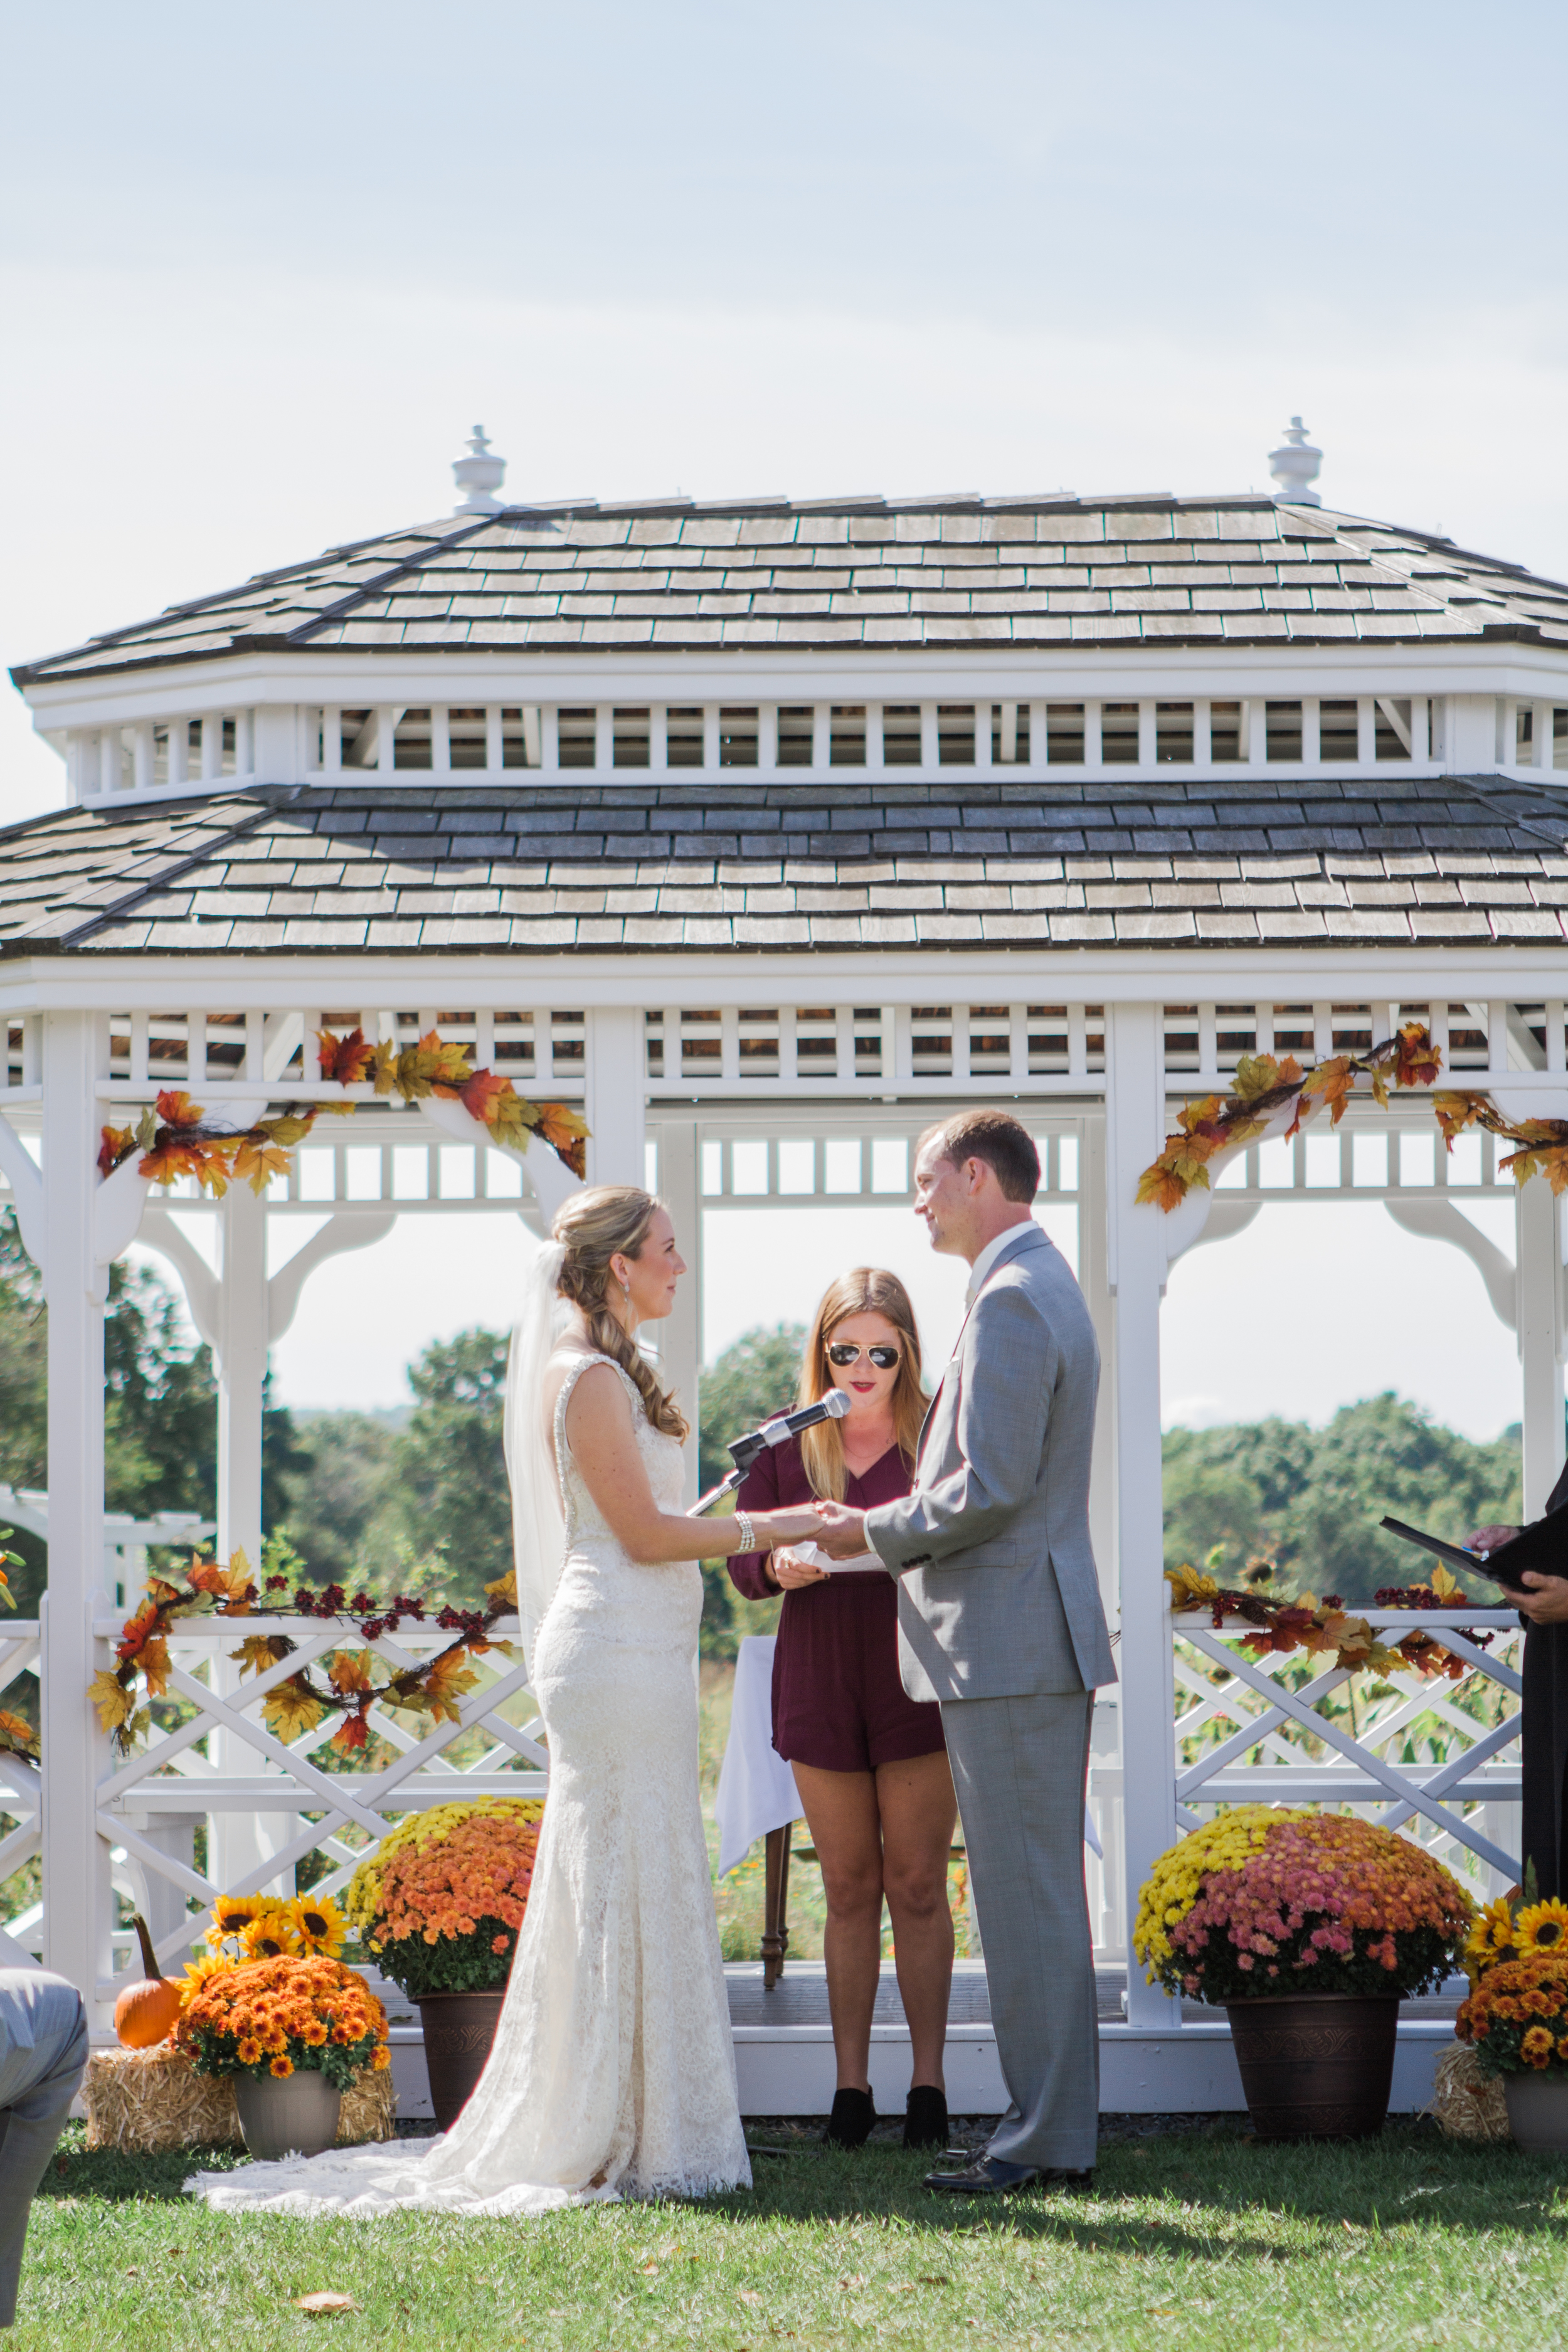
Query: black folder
point(1543, 1546)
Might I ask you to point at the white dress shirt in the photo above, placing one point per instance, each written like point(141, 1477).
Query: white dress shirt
point(984, 1262)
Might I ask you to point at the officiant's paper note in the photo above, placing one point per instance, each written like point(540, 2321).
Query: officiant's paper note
point(860, 1563)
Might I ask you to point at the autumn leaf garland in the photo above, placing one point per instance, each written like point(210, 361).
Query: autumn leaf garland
point(1326, 1628)
point(178, 1139)
point(1264, 1087)
point(299, 1701)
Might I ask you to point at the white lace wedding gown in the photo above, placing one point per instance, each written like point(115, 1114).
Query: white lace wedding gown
point(613, 2063)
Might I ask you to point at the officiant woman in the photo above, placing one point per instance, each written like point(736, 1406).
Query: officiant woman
point(869, 1763)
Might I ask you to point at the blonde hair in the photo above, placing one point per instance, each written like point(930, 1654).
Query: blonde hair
point(593, 1226)
point(864, 1290)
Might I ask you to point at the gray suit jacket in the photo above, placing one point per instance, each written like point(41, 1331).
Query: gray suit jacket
point(997, 1591)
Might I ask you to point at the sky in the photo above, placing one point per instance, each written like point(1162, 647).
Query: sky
point(261, 271)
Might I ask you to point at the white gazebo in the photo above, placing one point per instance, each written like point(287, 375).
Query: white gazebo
point(764, 832)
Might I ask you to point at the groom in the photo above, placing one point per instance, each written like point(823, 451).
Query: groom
point(999, 1618)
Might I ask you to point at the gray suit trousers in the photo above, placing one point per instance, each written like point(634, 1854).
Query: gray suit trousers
point(43, 2051)
point(1019, 1766)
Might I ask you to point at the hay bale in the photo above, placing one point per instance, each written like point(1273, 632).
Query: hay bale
point(150, 2102)
point(1468, 2105)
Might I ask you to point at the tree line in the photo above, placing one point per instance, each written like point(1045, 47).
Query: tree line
point(418, 1502)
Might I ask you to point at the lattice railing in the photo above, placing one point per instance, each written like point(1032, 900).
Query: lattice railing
point(21, 1784)
point(1412, 1752)
point(222, 1761)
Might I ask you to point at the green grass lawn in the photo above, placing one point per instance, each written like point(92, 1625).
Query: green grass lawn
point(1192, 2238)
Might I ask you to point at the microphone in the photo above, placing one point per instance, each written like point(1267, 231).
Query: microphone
point(745, 1450)
point(831, 1407)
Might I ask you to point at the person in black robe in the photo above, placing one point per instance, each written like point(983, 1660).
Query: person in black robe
point(1543, 1730)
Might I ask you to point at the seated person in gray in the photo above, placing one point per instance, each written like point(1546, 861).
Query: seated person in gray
point(43, 2050)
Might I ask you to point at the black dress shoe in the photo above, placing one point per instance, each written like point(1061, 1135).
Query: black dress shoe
point(991, 2176)
point(925, 2117)
point(850, 2125)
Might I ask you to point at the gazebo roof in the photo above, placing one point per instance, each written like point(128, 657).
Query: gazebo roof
point(850, 573)
point(672, 865)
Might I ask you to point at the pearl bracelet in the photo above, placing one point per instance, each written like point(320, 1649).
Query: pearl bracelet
point(748, 1534)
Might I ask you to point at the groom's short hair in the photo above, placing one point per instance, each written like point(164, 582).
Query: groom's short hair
point(1006, 1148)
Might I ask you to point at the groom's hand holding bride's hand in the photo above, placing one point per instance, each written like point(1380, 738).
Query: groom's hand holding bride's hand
point(843, 1532)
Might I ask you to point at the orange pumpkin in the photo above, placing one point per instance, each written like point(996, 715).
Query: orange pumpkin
point(148, 2012)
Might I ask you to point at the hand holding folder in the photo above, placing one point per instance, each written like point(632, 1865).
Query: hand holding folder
point(1543, 1546)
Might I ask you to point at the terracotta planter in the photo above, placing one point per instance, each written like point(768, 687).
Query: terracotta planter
point(1538, 2110)
point(459, 2028)
point(296, 2116)
point(1316, 2065)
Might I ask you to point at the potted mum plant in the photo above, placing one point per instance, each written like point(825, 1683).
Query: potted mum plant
point(293, 2033)
point(1309, 1929)
point(439, 1903)
point(1516, 2018)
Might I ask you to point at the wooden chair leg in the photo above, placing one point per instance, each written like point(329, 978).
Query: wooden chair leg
point(776, 1903)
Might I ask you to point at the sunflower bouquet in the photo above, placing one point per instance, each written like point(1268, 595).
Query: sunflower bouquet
point(1264, 1901)
point(1516, 1927)
point(440, 1901)
point(285, 2015)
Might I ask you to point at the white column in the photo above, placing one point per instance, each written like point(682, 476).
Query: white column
point(1540, 1291)
point(1255, 713)
point(1203, 736)
point(239, 1843)
point(1148, 741)
point(1136, 1271)
point(930, 755)
point(616, 1105)
point(1093, 747)
point(77, 1908)
point(1366, 729)
point(710, 735)
point(680, 1337)
point(1312, 732)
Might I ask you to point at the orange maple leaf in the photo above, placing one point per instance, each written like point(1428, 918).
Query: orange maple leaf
point(256, 1165)
point(347, 1058)
point(1332, 1083)
point(137, 1632)
point(177, 1109)
point(484, 1094)
point(566, 1132)
point(350, 1733)
point(115, 1144)
point(1455, 1113)
point(1416, 1060)
point(349, 1671)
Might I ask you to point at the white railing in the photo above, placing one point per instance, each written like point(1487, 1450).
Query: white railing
point(223, 1765)
point(1242, 1735)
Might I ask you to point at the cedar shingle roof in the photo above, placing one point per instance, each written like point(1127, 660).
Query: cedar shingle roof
point(1383, 860)
point(855, 574)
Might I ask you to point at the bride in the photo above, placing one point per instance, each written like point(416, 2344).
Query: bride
point(612, 2072)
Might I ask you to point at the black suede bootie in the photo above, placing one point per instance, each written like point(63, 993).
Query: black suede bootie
point(925, 2117)
point(850, 2125)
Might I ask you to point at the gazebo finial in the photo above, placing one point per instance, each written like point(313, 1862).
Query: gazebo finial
point(1295, 466)
point(480, 475)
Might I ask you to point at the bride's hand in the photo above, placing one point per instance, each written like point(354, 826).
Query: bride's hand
point(789, 1569)
point(786, 1527)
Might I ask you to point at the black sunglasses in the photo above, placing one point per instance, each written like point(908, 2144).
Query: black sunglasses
point(842, 1354)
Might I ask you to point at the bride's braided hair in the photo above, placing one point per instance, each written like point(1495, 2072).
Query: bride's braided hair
point(604, 1221)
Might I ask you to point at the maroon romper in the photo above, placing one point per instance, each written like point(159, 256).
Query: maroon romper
point(838, 1702)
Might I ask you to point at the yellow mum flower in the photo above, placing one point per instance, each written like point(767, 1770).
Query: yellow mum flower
point(1543, 1928)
